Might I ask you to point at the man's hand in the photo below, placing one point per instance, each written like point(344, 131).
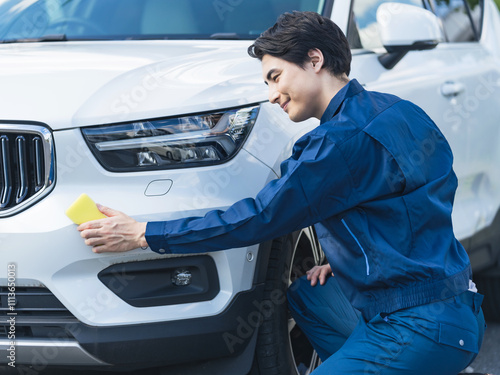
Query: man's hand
point(117, 233)
point(319, 272)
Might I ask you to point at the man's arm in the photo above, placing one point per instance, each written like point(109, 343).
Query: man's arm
point(315, 184)
point(315, 171)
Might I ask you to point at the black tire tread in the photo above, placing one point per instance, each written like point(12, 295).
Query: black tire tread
point(271, 354)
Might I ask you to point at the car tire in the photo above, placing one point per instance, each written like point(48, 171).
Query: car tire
point(282, 348)
point(488, 284)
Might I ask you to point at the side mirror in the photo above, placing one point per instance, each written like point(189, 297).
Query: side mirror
point(404, 28)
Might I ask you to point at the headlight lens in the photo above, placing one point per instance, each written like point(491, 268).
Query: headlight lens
point(189, 141)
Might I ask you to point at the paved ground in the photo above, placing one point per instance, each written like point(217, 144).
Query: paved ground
point(488, 360)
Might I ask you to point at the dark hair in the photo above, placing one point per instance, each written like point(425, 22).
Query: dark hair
point(295, 34)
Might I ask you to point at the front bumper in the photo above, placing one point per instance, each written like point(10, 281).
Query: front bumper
point(190, 341)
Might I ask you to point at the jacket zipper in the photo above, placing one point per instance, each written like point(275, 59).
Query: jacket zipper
point(359, 244)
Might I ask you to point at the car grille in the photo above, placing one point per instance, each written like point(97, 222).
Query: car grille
point(38, 313)
point(26, 166)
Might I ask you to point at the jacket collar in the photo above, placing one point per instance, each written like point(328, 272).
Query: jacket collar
point(352, 88)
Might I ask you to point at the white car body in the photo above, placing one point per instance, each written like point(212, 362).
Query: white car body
point(75, 84)
point(103, 81)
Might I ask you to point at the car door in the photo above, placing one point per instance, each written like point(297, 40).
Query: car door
point(455, 83)
point(474, 100)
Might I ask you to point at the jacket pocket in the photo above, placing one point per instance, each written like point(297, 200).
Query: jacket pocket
point(458, 337)
point(360, 246)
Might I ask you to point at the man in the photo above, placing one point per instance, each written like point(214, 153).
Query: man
point(376, 180)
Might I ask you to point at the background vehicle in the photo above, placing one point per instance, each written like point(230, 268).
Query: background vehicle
point(153, 107)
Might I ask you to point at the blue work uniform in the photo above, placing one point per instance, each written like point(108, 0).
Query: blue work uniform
point(376, 180)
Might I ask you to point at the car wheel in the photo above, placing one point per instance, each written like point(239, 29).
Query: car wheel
point(488, 284)
point(282, 348)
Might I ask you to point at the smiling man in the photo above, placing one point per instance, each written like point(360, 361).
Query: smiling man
point(401, 300)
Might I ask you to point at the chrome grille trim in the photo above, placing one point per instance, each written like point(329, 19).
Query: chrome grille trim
point(22, 188)
point(27, 170)
point(5, 183)
point(37, 147)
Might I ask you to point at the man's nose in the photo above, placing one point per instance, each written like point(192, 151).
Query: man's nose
point(273, 95)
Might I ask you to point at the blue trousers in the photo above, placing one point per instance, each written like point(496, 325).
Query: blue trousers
point(438, 338)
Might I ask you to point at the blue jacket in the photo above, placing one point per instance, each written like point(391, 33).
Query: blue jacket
point(376, 180)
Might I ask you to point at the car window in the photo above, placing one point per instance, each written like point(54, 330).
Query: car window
point(461, 19)
point(144, 19)
point(363, 28)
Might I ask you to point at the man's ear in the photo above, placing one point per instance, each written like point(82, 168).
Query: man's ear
point(317, 59)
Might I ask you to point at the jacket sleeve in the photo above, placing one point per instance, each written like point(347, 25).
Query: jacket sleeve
point(315, 170)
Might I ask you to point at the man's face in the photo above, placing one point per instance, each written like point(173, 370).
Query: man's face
point(293, 88)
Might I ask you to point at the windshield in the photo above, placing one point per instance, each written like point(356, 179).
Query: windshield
point(143, 19)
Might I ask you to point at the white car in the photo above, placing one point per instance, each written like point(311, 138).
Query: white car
point(154, 108)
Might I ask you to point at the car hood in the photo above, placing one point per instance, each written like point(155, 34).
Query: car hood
point(72, 84)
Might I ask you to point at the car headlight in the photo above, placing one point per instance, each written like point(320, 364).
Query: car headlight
point(190, 141)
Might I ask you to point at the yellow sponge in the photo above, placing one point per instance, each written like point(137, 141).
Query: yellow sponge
point(84, 209)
